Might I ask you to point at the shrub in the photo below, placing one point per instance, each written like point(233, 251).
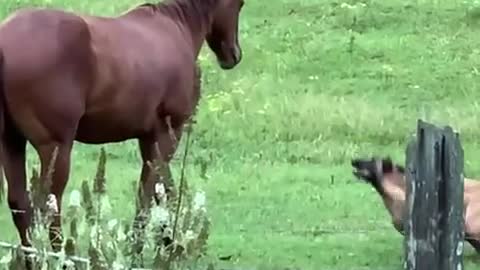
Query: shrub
point(173, 232)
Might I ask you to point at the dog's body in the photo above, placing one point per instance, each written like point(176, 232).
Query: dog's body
point(388, 179)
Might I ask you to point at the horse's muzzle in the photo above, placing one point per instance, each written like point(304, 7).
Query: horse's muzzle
point(234, 57)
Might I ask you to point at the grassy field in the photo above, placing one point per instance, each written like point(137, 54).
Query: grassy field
point(313, 91)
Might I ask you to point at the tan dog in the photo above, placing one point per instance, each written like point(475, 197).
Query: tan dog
point(388, 179)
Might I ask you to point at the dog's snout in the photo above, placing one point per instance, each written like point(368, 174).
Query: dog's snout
point(355, 162)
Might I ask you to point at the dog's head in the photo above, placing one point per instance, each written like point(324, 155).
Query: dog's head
point(376, 170)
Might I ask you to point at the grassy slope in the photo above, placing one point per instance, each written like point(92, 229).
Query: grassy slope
point(278, 129)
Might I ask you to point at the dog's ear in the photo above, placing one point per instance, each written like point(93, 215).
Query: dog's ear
point(387, 165)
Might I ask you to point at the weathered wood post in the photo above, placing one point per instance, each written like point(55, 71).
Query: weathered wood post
point(434, 225)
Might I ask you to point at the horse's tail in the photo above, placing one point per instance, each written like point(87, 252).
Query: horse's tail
point(2, 119)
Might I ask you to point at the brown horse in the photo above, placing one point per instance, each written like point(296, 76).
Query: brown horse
point(388, 179)
point(68, 77)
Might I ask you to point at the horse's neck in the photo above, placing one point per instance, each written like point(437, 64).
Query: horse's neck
point(195, 20)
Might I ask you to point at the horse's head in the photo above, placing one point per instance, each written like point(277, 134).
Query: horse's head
point(375, 171)
point(223, 35)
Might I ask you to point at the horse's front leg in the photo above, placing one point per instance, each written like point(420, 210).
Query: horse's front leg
point(59, 178)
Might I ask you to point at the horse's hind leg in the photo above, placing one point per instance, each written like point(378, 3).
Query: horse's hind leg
point(59, 180)
point(13, 155)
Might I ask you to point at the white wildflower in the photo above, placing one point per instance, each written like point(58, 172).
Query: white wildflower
point(168, 232)
point(160, 216)
point(199, 201)
point(117, 265)
point(110, 245)
point(7, 258)
point(159, 189)
point(69, 264)
point(121, 236)
point(346, 5)
point(52, 205)
point(81, 228)
point(189, 235)
point(160, 193)
point(75, 198)
point(111, 224)
point(96, 234)
point(106, 207)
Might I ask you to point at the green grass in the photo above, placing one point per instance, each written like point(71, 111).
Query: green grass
point(278, 132)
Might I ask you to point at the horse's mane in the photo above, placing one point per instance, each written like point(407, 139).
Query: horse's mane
point(193, 11)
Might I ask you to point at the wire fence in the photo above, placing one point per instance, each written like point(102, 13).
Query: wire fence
point(86, 261)
point(32, 250)
point(76, 259)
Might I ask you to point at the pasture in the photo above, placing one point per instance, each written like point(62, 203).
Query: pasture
point(320, 82)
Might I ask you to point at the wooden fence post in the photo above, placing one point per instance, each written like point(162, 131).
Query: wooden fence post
point(434, 225)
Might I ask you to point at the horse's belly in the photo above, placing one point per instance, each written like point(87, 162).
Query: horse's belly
point(95, 130)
